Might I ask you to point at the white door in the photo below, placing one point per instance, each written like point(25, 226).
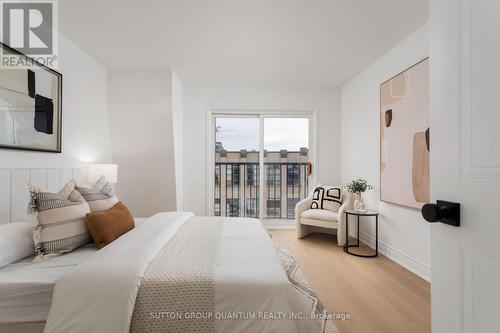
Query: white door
point(465, 163)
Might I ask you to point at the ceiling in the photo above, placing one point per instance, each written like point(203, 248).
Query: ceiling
point(292, 42)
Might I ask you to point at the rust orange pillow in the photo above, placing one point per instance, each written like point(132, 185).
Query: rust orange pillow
point(107, 225)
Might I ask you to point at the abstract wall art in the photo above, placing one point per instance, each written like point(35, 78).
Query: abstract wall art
point(30, 104)
point(404, 137)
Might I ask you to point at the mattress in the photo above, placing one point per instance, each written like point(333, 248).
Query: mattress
point(26, 287)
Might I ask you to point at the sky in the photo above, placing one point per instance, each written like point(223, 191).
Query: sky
point(279, 133)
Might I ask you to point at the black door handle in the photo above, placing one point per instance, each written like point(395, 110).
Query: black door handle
point(442, 211)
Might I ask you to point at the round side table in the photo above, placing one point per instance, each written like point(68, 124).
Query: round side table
point(358, 214)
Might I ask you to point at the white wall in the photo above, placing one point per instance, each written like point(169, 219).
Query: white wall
point(197, 100)
point(177, 121)
point(140, 110)
point(403, 234)
point(84, 114)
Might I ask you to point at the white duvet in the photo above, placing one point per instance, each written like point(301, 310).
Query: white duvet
point(99, 294)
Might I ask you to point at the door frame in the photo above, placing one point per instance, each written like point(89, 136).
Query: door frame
point(213, 112)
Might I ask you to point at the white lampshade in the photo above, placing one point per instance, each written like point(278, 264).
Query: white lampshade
point(110, 171)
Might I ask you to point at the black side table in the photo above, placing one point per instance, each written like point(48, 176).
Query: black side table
point(358, 214)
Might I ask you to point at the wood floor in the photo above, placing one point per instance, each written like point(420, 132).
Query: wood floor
point(379, 295)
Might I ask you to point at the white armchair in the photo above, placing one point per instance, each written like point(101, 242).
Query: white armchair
point(317, 220)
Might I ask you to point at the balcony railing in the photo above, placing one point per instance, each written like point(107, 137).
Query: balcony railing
point(237, 189)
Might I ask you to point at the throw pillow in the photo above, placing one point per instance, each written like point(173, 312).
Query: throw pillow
point(100, 196)
point(107, 225)
point(329, 198)
point(60, 221)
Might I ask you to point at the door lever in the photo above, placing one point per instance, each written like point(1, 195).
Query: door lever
point(442, 211)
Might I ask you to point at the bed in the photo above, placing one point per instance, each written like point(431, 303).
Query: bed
point(152, 277)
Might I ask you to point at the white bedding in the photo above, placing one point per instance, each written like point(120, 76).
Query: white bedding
point(99, 294)
point(250, 278)
point(26, 287)
point(107, 283)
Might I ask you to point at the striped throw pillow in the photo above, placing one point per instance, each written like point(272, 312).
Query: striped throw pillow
point(100, 196)
point(60, 221)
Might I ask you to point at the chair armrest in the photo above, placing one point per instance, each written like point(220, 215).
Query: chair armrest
point(302, 206)
point(341, 240)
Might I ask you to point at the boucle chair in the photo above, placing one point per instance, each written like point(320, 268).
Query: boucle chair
point(320, 220)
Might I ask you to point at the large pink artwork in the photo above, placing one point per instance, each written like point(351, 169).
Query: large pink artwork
point(404, 137)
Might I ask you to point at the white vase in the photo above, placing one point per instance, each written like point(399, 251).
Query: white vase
point(358, 201)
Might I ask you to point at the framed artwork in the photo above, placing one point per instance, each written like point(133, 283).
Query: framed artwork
point(30, 105)
point(404, 137)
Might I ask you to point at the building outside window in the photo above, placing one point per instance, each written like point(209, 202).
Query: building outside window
point(273, 174)
point(252, 207)
point(252, 174)
point(237, 183)
point(291, 203)
point(274, 208)
point(217, 207)
point(233, 175)
point(293, 174)
point(233, 207)
point(217, 175)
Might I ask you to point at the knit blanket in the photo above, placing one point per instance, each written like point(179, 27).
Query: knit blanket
point(179, 282)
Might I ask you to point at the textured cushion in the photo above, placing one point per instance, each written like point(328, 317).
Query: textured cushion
point(60, 221)
point(107, 225)
point(16, 242)
point(320, 214)
point(100, 196)
point(327, 197)
point(319, 223)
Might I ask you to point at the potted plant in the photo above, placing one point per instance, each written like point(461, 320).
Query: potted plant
point(357, 187)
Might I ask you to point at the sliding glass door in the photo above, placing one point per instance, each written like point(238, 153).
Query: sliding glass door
point(286, 158)
point(260, 165)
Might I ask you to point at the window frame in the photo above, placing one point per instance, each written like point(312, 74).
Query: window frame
point(213, 112)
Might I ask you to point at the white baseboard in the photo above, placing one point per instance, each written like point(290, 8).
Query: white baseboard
point(399, 257)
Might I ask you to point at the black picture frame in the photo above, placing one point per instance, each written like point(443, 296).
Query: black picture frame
point(59, 123)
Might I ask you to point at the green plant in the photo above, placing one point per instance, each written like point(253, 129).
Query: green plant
point(358, 185)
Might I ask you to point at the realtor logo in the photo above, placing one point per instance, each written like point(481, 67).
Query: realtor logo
point(30, 27)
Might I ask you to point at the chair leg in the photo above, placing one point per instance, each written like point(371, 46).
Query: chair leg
point(303, 230)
